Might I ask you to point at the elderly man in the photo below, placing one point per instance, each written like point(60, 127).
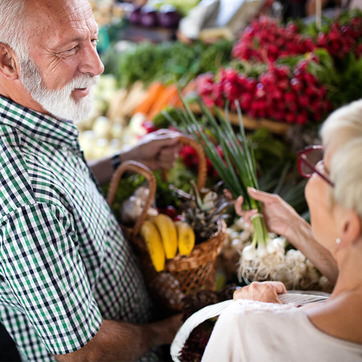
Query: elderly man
point(70, 288)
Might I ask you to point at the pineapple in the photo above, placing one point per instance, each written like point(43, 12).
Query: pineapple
point(202, 210)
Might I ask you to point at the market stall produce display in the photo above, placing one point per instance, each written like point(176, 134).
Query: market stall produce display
point(283, 80)
point(286, 78)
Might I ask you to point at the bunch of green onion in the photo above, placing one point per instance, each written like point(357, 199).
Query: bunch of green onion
point(237, 169)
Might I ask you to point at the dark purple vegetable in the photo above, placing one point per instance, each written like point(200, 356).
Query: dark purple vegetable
point(168, 17)
point(135, 16)
point(149, 17)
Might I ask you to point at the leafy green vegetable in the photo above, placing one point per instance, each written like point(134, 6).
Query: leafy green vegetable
point(166, 61)
point(180, 176)
point(349, 84)
point(127, 186)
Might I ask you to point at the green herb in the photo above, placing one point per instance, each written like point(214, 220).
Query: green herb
point(237, 167)
point(166, 61)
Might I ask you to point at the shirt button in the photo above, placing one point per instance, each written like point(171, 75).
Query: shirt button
point(65, 148)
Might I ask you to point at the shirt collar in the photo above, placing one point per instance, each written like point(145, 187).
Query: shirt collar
point(37, 125)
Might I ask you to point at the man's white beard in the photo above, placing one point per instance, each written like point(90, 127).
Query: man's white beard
point(58, 103)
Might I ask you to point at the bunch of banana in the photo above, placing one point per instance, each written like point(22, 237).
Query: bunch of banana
point(153, 242)
point(168, 233)
point(163, 237)
point(185, 238)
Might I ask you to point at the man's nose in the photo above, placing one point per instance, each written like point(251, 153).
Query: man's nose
point(91, 63)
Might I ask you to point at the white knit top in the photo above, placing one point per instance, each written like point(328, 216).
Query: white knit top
point(252, 331)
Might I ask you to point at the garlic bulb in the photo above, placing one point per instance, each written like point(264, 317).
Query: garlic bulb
point(132, 208)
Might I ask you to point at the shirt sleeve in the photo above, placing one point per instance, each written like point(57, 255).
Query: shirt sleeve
point(40, 262)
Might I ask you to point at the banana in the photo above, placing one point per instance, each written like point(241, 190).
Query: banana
point(168, 232)
point(153, 241)
point(186, 238)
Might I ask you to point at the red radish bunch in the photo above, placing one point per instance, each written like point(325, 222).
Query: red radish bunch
point(189, 156)
point(279, 94)
point(191, 160)
point(149, 126)
point(342, 39)
point(265, 40)
point(212, 93)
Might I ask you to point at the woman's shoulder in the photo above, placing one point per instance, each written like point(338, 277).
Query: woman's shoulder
point(339, 317)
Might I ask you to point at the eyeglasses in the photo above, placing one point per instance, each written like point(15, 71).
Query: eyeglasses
point(308, 160)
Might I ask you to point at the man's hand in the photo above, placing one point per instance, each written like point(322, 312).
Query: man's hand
point(120, 341)
point(261, 291)
point(168, 328)
point(157, 150)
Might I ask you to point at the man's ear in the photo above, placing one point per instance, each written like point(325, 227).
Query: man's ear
point(8, 62)
point(349, 228)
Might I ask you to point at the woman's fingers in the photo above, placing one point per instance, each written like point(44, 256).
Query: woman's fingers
point(239, 206)
point(261, 291)
point(261, 195)
point(246, 215)
point(278, 286)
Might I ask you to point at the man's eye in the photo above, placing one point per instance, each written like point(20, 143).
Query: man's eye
point(72, 50)
point(94, 41)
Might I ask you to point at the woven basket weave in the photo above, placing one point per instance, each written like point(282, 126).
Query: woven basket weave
point(183, 274)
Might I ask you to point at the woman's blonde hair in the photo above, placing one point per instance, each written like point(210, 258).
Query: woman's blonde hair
point(346, 173)
point(343, 131)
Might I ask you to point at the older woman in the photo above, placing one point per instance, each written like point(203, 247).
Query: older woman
point(251, 330)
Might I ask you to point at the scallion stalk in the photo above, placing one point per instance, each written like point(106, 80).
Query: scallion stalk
point(237, 169)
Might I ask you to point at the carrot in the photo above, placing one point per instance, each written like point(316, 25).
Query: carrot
point(154, 92)
point(190, 87)
point(163, 101)
point(176, 100)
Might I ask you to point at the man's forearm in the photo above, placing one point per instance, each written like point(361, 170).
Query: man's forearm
point(102, 170)
point(119, 341)
point(301, 237)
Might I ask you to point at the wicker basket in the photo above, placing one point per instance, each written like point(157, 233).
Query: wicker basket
point(182, 275)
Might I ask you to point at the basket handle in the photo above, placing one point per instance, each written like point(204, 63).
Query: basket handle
point(202, 166)
point(144, 171)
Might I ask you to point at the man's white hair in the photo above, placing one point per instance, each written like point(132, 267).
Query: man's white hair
point(343, 132)
point(12, 13)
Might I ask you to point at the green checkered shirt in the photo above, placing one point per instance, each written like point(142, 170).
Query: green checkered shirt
point(64, 264)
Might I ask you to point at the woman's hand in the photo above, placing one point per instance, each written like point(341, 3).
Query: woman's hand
point(266, 292)
point(279, 216)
